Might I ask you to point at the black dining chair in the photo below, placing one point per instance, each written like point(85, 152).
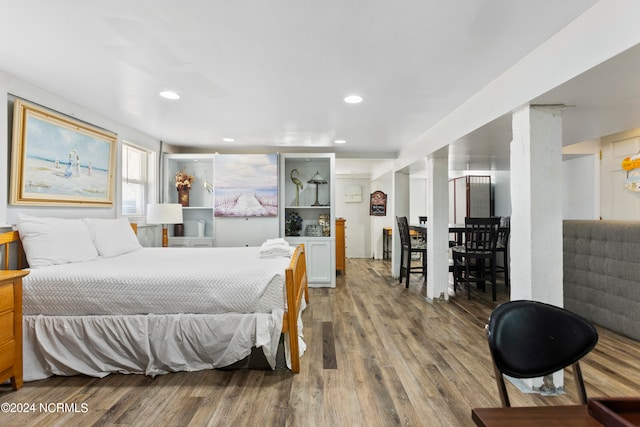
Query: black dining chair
point(502, 248)
point(478, 249)
point(422, 220)
point(408, 248)
point(530, 339)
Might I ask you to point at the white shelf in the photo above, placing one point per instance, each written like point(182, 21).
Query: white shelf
point(200, 208)
point(320, 249)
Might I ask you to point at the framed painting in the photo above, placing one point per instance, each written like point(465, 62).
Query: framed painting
point(246, 185)
point(57, 160)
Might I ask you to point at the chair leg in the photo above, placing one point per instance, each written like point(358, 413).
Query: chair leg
point(424, 266)
point(506, 268)
point(408, 269)
point(493, 278)
point(456, 271)
point(401, 264)
point(467, 274)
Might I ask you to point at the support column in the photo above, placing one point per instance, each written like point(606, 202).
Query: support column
point(438, 225)
point(536, 213)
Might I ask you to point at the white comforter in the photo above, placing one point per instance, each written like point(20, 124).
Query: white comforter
point(153, 311)
point(160, 281)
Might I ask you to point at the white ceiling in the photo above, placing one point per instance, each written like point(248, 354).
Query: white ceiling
point(273, 74)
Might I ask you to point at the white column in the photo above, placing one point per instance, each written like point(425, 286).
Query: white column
point(536, 218)
point(536, 207)
point(438, 225)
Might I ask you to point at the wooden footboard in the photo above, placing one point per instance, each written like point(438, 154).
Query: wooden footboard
point(297, 286)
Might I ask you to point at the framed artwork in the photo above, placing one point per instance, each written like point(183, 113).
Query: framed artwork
point(246, 185)
point(57, 160)
point(378, 204)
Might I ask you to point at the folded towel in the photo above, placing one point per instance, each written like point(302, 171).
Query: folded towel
point(270, 243)
point(275, 248)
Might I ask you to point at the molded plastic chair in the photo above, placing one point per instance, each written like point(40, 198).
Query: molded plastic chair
point(529, 339)
point(408, 248)
point(481, 235)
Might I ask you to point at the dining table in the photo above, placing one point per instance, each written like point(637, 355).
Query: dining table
point(455, 229)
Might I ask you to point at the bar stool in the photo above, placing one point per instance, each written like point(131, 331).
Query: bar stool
point(409, 248)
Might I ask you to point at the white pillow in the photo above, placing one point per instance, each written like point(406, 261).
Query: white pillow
point(112, 237)
point(52, 241)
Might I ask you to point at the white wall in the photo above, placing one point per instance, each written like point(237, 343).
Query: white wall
point(233, 232)
point(581, 188)
point(358, 221)
point(502, 193)
point(417, 199)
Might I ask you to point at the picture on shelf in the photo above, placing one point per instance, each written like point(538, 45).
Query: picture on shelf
point(246, 185)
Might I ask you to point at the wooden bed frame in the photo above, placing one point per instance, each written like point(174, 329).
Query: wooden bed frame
point(296, 285)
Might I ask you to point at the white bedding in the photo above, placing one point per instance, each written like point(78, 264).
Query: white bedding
point(160, 281)
point(153, 311)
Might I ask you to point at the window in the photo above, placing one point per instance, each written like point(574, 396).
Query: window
point(135, 183)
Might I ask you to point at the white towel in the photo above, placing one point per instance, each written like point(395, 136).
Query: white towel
point(275, 248)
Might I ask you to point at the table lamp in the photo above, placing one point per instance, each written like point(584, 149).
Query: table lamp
point(164, 213)
point(317, 180)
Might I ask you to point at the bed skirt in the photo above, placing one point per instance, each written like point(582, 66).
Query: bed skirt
point(146, 344)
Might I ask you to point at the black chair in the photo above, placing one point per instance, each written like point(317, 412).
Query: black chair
point(529, 339)
point(479, 247)
point(408, 248)
point(423, 232)
point(502, 247)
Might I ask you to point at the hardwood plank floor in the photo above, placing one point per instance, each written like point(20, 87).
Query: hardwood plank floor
point(377, 355)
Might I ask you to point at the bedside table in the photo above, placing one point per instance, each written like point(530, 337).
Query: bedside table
point(11, 326)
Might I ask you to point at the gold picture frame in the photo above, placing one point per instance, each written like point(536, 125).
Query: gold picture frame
point(61, 161)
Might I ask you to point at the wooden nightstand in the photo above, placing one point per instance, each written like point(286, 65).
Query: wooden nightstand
point(11, 326)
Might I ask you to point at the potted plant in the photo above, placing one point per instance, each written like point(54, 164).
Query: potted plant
point(293, 224)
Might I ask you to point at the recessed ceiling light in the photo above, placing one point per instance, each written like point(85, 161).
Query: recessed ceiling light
point(228, 139)
point(353, 99)
point(340, 141)
point(167, 94)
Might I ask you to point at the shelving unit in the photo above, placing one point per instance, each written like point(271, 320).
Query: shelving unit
point(201, 166)
point(320, 250)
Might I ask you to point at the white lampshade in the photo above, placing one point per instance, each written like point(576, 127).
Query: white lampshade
point(164, 213)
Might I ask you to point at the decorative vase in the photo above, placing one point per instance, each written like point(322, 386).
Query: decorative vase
point(178, 230)
point(183, 197)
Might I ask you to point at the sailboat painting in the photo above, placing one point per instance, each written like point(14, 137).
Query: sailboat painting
point(246, 185)
point(59, 160)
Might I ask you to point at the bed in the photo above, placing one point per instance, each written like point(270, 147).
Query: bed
point(123, 308)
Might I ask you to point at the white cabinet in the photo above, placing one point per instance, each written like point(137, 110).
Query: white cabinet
point(321, 262)
point(314, 204)
point(198, 216)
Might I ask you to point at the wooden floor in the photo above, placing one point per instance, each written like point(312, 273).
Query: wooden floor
point(378, 355)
